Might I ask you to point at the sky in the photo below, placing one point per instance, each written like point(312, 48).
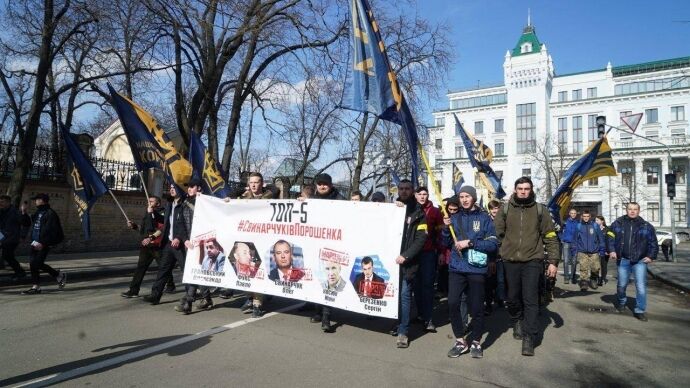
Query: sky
point(579, 35)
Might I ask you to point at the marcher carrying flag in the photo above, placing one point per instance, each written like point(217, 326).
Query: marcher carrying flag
point(151, 146)
point(594, 163)
point(480, 156)
point(374, 86)
point(86, 182)
point(206, 169)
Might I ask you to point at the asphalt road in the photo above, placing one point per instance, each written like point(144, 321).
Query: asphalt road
point(87, 335)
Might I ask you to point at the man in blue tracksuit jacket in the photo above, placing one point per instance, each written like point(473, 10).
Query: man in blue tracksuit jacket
point(588, 246)
point(567, 240)
point(474, 231)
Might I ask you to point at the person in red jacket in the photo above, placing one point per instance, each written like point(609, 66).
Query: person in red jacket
point(424, 282)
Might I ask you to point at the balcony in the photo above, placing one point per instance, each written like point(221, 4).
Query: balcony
point(636, 142)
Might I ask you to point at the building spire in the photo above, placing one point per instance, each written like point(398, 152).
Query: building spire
point(529, 18)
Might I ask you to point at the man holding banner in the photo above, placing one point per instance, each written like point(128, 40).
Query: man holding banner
point(415, 232)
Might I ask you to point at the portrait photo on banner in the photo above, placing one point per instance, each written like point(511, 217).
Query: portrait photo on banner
point(245, 260)
point(287, 262)
point(370, 278)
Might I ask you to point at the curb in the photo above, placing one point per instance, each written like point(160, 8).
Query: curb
point(76, 275)
point(669, 282)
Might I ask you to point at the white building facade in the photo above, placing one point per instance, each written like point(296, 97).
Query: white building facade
point(537, 115)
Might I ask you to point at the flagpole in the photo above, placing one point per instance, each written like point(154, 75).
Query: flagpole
point(143, 184)
point(118, 205)
point(437, 192)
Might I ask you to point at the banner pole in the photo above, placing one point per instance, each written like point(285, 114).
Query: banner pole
point(143, 184)
point(118, 205)
point(437, 192)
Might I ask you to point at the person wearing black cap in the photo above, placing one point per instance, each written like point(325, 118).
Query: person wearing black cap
point(378, 197)
point(176, 235)
point(325, 190)
point(46, 231)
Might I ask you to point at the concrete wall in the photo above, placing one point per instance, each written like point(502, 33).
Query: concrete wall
point(108, 226)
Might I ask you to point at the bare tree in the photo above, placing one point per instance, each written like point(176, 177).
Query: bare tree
point(552, 160)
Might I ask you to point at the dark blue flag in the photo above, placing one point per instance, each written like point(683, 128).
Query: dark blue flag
point(374, 85)
point(480, 155)
point(151, 146)
point(86, 182)
point(395, 178)
point(205, 168)
point(458, 179)
point(595, 162)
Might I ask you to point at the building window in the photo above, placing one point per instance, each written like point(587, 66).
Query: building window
point(562, 96)
point(652, 115)
point(679, 212)
point(624, 135)
point(652, 175)
point(593, 182)
point(679, 170)
point(652, 212)
point(439, 145)
point(500, 149)
point(591, 92)
point(440, 121)
point(440, 187)
point(653, 85)
point(577, 134)
point(677, 113)
point(472, 102)
point(526, 48)
point(562, 135)
point(577, 94)
point(459, 151)
point(478, 127)
point(592, 128)
point(527, 172)
point(498, 126)
point(526, 127)
point(626, 176)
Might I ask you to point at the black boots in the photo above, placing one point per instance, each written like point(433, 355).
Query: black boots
point(527, 346)
point(326, 323)
point(517, 330)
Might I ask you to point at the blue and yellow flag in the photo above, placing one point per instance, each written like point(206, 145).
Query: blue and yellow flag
point(87, 184)
point(151, 146)
point(458, 179)
point(374, 85)
point(480, 156)
point(595, 162)
point(205, 168)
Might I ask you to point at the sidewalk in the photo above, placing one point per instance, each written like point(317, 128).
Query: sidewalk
point(674, 274)
point(81, 265)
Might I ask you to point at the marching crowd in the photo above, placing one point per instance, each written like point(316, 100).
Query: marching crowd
point(480, 260)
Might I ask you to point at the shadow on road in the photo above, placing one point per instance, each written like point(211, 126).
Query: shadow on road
point(132, 347)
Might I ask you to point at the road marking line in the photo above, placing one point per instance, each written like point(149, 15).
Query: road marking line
point(71, 374)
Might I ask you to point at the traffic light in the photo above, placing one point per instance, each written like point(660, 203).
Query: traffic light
point(670, 185)
point(601, 126)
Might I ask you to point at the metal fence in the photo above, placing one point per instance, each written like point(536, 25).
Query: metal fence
point(49, 165)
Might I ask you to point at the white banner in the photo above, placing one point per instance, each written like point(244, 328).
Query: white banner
point(335, 253)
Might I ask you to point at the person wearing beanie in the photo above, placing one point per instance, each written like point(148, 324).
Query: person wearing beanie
point(474, 244)
point(424, 283)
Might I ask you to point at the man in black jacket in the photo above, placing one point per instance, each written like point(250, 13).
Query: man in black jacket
point(325, 190)
point(176, 234)
point(46, 231)
point(414, 235)
point(11, 222)
point(151, 232)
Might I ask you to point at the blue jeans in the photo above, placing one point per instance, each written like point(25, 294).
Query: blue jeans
point(424, 285)
point(625, 266)
point(406, 287)
point(569, 261)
